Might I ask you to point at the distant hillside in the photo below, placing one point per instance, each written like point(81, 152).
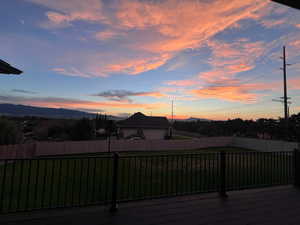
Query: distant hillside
point(24, 110)
point(193, 119)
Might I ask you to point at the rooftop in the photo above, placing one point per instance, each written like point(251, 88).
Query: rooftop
point(139, 120)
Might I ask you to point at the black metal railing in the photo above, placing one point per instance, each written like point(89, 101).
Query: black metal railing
point(28, 184)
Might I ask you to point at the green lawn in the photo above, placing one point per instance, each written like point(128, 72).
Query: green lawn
point(54, 182)
point(181, 137)
point(169, 152)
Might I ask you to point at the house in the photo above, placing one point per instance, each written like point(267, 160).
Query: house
point(140, 126)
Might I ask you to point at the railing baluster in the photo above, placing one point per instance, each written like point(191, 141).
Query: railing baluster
point(36, 185)
point(222, 191)
point(87, 178)
point(52, 184)
point(93, 198)
point(59, 182)
point(151, 176)
point(67, 178)
point(80, 181)
point(28, 184)
point(20, 185)
point(129, 174)
point(113, 207)
point(12, 185)
point(73, 182)
point(3, 186)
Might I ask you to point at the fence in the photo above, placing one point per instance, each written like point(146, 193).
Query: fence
point(28, 184)
point(263, 145)
point(83, 147)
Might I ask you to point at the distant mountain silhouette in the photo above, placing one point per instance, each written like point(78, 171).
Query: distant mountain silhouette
point(191, 119)
point(24, 110)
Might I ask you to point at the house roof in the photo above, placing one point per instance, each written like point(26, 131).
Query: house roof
point(139, 120)
point(8, 69)
point(291, 3)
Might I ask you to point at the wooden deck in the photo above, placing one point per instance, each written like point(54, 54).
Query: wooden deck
point(268, 206)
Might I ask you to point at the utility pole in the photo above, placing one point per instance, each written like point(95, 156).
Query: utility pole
point(284, 86)
point(172, 121)
point(172, 112)
point(285, 98)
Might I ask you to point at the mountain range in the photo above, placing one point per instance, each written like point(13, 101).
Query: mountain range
point(25, 110)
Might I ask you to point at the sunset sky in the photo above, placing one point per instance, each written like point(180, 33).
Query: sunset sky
point(216, 59)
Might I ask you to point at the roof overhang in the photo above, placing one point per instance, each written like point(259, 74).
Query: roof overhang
point(6, 68)
point(291, 3)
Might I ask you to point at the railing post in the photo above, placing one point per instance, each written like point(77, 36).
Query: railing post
point(222, 190)
point(114, 205)
point(296, 168)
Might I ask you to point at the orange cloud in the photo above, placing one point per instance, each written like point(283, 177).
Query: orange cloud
point(176, 35)
point(81, 104)
point(106, 35)
point(232, 91)
point(182, 83)
point(294, 83)
point(67, 11)
point(137, 66)
point(93, 105)
point(273, 22)
point(295, 43)
point(153, 32)
point(229, 59)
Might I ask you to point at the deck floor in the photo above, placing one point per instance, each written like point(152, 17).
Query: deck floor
point(267, 206)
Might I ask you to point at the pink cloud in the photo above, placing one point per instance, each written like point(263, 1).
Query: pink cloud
point(107, 35)
point(66, 11)
point(175, 35)
point(269, 23)
point(295, 43)
point(57, 102)
point(229, 93)
point(294, 83)
point(153, 31)
point(229, 59)
point(137, 66)
point(234, 90)
point(182, 83)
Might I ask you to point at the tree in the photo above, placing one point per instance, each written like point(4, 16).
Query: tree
point(9, 132)
point(83, 130)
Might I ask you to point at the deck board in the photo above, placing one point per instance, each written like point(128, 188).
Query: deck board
point(266, 206)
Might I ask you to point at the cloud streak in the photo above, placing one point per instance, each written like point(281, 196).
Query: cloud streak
point(234, 91)
point(121, 95)
point(69, 103)
point(23, 91)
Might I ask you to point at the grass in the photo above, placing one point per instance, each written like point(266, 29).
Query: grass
point(169, 152)
point(62, 182)
point(181, 137)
